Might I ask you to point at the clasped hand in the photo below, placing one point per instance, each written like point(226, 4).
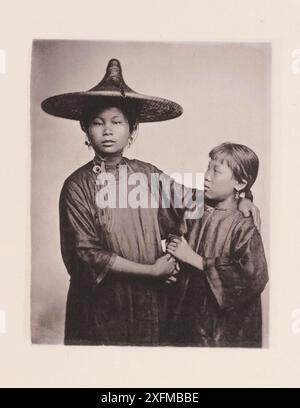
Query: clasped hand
point(166, 267)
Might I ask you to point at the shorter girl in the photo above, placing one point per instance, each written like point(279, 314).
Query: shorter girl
point(226, 268)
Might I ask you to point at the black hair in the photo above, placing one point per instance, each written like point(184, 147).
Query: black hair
point(243, 162)
point(128, 108)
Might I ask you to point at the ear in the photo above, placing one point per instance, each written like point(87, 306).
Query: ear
point(240, 186)
point(83, 128)
point(135, 126)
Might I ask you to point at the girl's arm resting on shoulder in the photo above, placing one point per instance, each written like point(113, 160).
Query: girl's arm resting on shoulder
point(177, 203)
point(235, 280)
point(247, 208)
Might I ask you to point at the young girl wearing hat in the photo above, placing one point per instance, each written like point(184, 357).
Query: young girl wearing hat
point(114, 255)
point(226, 269)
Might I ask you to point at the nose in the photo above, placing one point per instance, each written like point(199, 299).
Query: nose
point(107, 129)
point(207, 176)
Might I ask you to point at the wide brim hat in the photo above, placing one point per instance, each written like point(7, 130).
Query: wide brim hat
point(113, 87)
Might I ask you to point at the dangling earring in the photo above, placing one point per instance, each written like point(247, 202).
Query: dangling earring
point(87, 143)
point(236, 194)
point(130, 140)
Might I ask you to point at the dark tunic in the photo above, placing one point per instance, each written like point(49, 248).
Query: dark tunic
point(105, 307)
point(221, 306)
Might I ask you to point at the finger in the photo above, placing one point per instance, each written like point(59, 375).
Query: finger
point(173, 245)
point(246, 213)
point(172, 260)
point(257, 220)
point(168, 282)
point(168, 257)
point(254, 216)
point(176, 240)
point(170, 252)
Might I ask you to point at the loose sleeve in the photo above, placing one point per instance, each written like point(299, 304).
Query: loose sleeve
point(235, 280)
point(82, 252)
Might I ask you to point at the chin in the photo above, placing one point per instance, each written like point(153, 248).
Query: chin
point(208, 195)
point(212, 199)
point(109, 150)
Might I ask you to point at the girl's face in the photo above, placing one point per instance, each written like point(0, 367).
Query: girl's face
point(219, 182)
point(108, 132)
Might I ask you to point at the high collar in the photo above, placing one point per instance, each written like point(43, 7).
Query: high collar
point(109, 162)
point(221, 206)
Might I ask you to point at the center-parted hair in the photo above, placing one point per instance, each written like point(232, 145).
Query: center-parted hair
point(243, 162)
point(128, 108)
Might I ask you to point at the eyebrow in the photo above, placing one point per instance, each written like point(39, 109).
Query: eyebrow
point(215, 164)
point(219, 161)
point(113, 117)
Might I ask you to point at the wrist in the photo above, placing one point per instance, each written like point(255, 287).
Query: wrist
point(151, 270)
point(197, 261)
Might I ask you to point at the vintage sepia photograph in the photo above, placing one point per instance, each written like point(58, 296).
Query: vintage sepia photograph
point(150, 193)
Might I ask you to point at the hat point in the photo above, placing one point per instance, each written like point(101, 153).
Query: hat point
point(114, 69)
point(114, 62)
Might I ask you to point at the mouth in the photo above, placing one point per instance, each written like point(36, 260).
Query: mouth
point(206, 187)
point(108, 143)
